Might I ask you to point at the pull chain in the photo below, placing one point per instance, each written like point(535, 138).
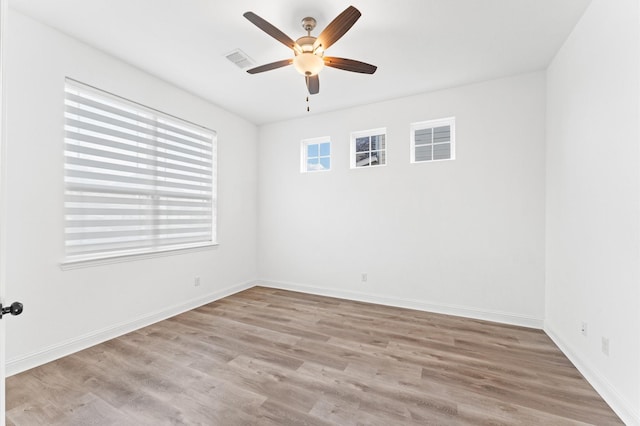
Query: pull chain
point(308, 104)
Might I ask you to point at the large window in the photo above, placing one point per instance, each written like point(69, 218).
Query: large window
point(315, 155)
point(137, 181)
point(368, 148)
point(433, 140)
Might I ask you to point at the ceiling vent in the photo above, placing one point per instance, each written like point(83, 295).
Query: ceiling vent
point(241, 59)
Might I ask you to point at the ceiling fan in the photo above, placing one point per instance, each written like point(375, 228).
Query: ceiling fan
point(308, 51)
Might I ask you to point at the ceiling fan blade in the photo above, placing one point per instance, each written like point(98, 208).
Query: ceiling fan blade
point(338, 27)
point(271, 66)
point(349, 65)
point(270, 29)
point(313, 84)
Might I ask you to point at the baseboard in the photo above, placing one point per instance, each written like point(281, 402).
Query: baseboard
point(461, 311)
point(51, 353)
point(622, 407)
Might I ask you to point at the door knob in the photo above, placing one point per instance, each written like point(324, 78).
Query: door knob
point(15, 309)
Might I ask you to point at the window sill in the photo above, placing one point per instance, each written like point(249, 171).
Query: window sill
point(368, 167)
point(87, 263)
point(432, 161)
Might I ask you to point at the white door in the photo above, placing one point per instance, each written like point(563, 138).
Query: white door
point(3, 26)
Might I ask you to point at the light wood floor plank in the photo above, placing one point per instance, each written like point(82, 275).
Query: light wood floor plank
point(275, 357)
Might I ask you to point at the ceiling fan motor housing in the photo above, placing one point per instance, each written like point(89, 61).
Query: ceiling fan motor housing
point(306, 43)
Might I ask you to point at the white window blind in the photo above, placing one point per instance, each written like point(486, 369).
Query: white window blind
point(136, 180)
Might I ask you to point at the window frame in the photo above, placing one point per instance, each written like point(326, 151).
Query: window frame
point(380, 131)
point(304, 153)
point(149, 197)
point(432, 124)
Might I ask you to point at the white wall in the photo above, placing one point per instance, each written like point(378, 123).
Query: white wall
point(65, 310)
point(463, 237)
point(593, 195)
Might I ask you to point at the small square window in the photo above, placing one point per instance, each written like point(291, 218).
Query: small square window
point(433, 140)
point(369, 148)
point(316, 155)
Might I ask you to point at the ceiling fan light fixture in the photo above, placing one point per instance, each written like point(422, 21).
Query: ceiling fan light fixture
point(308, 64)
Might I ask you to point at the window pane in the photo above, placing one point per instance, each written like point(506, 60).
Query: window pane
point(423, 136)
point(325, 163)
point(377, 142)
point(325, 149)
point(377, 157)
point(362, 160)
point(313, 164)
point(442, 151)
point(312, 150)
point(362, 144)
point(423, 153)
point(442, 134)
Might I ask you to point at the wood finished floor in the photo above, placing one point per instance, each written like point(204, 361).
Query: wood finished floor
point(273, 357)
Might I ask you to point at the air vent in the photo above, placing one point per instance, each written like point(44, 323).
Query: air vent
point(241, 59)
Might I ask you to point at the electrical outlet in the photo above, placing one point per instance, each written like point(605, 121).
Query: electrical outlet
point(583, 330)
point(196, 281)
point(605, 346)
point(364, 277)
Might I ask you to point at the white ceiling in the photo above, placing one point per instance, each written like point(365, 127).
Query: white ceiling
point(418, 45)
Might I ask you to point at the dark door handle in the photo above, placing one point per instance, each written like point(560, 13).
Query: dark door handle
point(16, 308)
